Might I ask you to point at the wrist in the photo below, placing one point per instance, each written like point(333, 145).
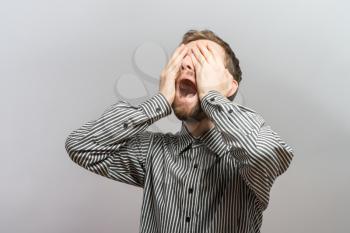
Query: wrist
point(166, 97)
point(202, 94)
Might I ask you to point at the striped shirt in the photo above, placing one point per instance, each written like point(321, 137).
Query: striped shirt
point(217, 183)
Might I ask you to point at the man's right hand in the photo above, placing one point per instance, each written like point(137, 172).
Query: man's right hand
point(170, 73)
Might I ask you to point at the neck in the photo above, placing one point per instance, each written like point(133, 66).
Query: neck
point(197, 128)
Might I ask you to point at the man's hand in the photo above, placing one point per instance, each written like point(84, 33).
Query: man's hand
point(211, 73)
point(170, 72)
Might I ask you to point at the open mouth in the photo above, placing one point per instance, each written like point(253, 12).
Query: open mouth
point(187, 88)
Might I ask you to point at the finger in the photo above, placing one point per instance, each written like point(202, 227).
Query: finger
point(200, 58)
point(195, 61)
point(176, 62)
point(205, 52)
point(214, 52)
point(177, 51)
point(193, 56)
point(179, 56)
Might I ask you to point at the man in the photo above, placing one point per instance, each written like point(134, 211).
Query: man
point(216, 173)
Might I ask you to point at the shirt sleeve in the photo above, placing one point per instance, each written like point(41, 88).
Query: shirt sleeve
point(116, 144)
point(260, 153)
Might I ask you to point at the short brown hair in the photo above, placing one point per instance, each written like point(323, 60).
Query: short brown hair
point(231, 61)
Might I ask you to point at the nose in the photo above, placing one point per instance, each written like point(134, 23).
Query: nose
point(187, 63)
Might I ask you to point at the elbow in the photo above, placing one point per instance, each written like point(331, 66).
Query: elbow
point(70, 149)
point(284, 157)
point(275, 154)
point(68, 144)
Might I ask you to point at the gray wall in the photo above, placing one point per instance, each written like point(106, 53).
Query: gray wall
point(62, 63)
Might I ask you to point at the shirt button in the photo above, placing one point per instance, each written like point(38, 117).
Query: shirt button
point(212, 98)
point(158, 109)
point(125, 125)
point(195, 166)
point(230, 111)
point(190, 190)
point(188, 218)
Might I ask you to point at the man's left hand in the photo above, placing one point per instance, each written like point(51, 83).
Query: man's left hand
point(211, 73)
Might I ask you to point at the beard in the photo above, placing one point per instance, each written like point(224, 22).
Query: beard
point(196, 113)
point(186, 104)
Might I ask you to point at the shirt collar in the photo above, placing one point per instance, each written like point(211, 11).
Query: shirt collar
point(212, 139)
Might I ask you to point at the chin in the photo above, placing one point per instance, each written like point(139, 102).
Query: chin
point(186, 104)
point(187, 107)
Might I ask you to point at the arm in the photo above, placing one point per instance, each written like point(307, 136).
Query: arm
point(260, 153)
point(116, 144)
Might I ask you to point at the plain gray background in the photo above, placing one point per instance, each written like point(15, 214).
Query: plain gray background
point(62, 63)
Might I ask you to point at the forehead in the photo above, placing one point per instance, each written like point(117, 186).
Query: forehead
point(213, 44)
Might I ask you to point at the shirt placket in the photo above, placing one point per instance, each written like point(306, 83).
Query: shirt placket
point(192, 189)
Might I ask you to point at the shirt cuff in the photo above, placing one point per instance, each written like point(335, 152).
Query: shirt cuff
point(214, 101)
point(245, 119)
point(156, 107)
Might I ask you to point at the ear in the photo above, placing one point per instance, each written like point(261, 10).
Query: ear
point(233, 84)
